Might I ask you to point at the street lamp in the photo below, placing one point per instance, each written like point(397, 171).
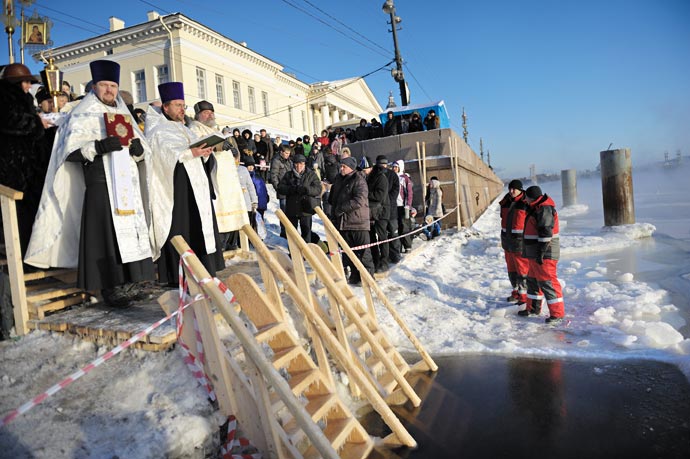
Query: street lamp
point(396, 73)
point(10, 22)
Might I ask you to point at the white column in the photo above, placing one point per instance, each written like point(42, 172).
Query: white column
point(325, 117)
point(336, 115)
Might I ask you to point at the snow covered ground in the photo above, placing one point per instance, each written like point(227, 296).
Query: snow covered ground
point(451, 292)
point(453, 296)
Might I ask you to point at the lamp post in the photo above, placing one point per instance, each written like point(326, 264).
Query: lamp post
point(52, 79)
point(10, 22)
point(397, 73)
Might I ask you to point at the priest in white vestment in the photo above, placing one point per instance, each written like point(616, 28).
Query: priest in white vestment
point(181, 191)
point(92, 215)
point(230, 208)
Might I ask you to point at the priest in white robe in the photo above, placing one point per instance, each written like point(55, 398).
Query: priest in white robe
point(229, 205)
point(181, 190)
point(92, 215)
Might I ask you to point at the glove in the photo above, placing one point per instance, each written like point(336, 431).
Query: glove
point(135, 148)
point(540, 259)
point(107, 145)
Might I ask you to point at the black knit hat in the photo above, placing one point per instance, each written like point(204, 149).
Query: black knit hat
point(365, 163)
point(533, 192)
point(515, 185)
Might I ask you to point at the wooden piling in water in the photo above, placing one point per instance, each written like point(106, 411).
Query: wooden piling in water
point(617, 187)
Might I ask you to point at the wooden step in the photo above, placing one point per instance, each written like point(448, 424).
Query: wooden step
point(282, 357)
point(356, 450)
point(299, 382)
point(376, 365)
point(387, 380)
point(47, 295)
point(318, 406)
point(58, 304)
point(363, 346)
point(352, 326)
point(47, 274)
point(336, 431)
point(267, 332)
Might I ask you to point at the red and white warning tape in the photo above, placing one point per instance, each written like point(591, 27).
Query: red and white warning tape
point(79, 373)
point(230, 449)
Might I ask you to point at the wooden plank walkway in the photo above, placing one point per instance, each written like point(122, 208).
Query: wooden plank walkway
point(110, 326)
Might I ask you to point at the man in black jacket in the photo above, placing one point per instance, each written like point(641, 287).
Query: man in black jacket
point(280, 166)
point(392, 249)
point(392, 126)
point(350, 214)
point(379, 205)
point(301, 188)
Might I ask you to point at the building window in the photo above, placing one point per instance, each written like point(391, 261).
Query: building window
point(290, 116)
point(201, 82)
point(264, 102)
point(252, 99)
point(236, 94)
point(220, 92)
point(140, 86)
point(304, 121)
point(163, 76)
point(109, 52)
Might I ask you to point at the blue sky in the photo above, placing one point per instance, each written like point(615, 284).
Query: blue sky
point(549, 83)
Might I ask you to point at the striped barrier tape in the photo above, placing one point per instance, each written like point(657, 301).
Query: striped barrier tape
point(230, 449)
point(190, 360)
point(12, 415)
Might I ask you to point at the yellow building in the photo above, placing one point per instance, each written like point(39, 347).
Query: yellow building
point(248, 90)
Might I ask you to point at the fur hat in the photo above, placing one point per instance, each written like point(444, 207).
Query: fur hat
point(350, 162)
point(533, 192)
point(515, 185)
point(203, 105)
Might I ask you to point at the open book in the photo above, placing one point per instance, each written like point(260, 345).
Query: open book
point(210, 141)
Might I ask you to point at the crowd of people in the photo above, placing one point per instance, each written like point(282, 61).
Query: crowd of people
point(106, 186)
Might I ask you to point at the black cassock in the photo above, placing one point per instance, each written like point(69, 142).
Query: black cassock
point(100, 264)
point(186, 222)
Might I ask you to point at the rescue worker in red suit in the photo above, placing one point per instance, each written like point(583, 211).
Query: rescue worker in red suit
point(513, 213)
point(542, 249)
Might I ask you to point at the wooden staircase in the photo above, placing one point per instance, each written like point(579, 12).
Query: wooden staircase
point(37, 293)
point(305, 379)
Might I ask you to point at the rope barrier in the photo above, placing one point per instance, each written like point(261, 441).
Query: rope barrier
point(415, 231)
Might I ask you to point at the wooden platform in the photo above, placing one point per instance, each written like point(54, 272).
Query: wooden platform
point(110, 326)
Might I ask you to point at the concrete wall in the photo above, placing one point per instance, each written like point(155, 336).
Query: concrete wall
point(478, 185)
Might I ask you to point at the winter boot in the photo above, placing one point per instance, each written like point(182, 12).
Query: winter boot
point(551, 320)
point(513, 298)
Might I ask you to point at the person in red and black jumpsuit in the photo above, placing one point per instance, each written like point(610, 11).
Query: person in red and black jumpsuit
point(542, 248)
point(513, 213)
